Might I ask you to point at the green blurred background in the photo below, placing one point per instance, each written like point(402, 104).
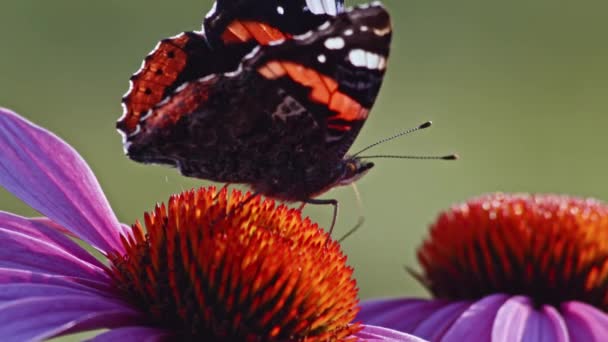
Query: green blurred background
point(517, 88)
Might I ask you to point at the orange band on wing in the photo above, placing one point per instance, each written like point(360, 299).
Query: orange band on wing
point(179, 104)
point(324, 90)
point(159, 71)
point(240, 31)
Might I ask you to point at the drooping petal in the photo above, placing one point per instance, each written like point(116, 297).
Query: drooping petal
point(142, 334)
point(585, 323)
point(40, 318)
point(50, 176)
point(376, 333)
point(398, 314)
point(477, 321)
point(24, 252)
point(46, 230)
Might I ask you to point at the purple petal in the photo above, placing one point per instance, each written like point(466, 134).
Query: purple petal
point(15, 276)
point(42, 318)
point(511, 319)
point(45, 230)
point(435, 325)
point(27, 253)
point(545, 324)
point(50, 176)
point(375, 333)
point(398, 314)
point(585, 322)
point(143, 334)
point(16, 291)
point(475, 324)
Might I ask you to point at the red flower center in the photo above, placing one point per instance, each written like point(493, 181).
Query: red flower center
point(227, 268)
point(550, 248)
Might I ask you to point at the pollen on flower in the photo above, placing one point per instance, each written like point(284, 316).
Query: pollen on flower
point(214, 266)
point(550, 248)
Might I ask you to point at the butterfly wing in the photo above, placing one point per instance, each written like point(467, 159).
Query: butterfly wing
point(341, 67)
point(233, 28)
point(237, 21)
point(173, 62)
point(287, 115)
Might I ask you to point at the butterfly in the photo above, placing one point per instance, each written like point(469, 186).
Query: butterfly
point(271, 94)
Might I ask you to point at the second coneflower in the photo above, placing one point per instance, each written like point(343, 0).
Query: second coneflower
point(509, 268)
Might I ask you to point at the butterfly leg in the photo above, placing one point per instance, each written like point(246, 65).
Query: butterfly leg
point(224, 187)
point(333, 202)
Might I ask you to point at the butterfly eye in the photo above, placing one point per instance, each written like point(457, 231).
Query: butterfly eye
point(351, 167)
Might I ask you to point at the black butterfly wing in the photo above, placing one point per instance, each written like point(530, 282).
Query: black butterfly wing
point(233, 21)
point(287, 115)
point(336, 71)
point(231, 30)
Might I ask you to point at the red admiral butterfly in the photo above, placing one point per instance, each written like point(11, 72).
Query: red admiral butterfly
point(279, 119)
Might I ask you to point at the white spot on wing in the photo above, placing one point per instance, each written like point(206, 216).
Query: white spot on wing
point(322, 58)
point(382, 64)
point(323, 6)
point(280, 10)
point(365, 59)
point(335, 43)
point(357, 58)
point(373, 60)
point(382, 32)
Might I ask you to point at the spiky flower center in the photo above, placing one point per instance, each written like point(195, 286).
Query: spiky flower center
point(551, 248)
point(219, 267)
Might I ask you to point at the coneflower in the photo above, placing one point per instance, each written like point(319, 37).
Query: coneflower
point(508, 267)
point(210, 266)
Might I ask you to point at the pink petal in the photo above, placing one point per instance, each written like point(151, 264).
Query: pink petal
point(511, 319)
point(399, 314)
point(475, 324)
point(51, 177)
point(45, 230)
point(42, 318)
point(27, 253)
point(142, 334)
point(585, 322)
point(375, 333)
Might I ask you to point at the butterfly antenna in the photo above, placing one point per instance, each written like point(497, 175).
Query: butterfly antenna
point(400, 134)
point(447, 157)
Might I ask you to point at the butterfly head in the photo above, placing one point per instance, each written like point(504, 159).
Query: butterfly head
point(353, 169)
